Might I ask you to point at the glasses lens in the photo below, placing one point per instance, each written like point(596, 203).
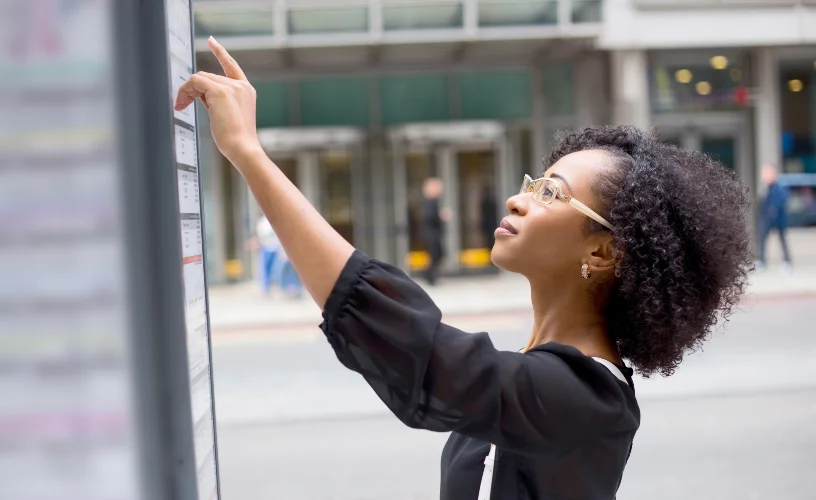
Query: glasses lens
point(526, 185)
point(545, 191)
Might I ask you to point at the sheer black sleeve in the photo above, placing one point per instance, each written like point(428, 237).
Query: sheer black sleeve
point(432, 376)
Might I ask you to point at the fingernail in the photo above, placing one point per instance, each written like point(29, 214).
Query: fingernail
point(213, 39)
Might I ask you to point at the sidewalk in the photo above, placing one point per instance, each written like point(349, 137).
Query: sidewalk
point(243, 307)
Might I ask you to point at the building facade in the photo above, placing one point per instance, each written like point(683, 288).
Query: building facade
point(360, 100)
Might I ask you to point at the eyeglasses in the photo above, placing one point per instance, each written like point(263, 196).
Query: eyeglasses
point(546, 189)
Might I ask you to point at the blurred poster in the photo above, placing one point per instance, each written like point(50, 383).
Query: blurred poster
point(66, 419)
point(181, 54)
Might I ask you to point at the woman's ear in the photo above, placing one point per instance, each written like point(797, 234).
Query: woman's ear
point(603, 255)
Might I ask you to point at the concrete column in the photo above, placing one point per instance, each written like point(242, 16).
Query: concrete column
point(507, 177)
point(360, 189)
point(242, 219)
point(767, 113)
point(281, 27)
point(379, 199)
point(471, 15)
point(375, 19)
point(691, 139)
point(564, 12)
point(448, 170)
point(630, 89)
point(591, 94)
point(538, 139)
point(400, 199)
point(309, 177)
point(212, 165)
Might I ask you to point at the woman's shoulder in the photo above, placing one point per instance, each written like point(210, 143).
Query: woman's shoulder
point(570, 362)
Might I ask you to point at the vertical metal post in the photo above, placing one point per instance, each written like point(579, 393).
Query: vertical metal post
point(564, 13)
point(156, 292)
point(471, 20)
point(401, 229)
point(538, 129)
point(281, 28)
point(375, 19)
point(379, 198)
point(309, 177)
point(767, 112)
point(448, 171)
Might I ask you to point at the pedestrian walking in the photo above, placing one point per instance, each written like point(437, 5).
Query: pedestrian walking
point(633, 249)
point(774, 216)
point(269, 250)
point(288, 278)
point(432, 226)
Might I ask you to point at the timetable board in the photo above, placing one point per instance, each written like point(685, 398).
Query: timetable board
point(181, 61)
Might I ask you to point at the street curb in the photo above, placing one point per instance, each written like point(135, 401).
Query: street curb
point(293, 327)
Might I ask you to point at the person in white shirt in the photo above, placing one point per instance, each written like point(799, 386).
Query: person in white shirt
point(269, 248)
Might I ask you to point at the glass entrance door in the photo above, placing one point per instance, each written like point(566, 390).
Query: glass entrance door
point(336, 197)
point(289, 168)
point(470, 194)
point(477, 208)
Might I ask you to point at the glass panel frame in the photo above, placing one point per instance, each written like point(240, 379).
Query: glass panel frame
point(586, 11)
point(245, 19)
point(423, 16)
point(327, 20)
point(413, 98)
point(514, 13)
point(473, 86)
point(797, 96)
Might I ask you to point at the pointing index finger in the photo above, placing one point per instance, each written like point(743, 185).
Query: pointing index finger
point(231, 68)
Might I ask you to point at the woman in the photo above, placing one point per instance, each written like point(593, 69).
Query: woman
point(633, 250)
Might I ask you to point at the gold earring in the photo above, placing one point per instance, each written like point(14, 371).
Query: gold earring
point(617, 270)
point(585, 271)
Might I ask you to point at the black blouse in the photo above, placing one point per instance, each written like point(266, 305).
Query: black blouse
point(562, 423)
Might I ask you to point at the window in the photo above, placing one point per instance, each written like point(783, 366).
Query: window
point(586, 11)
point(318, 20)
point(797, 89)
point(699, 82)
point(558, 90)
point(495, 13)
point(228, 20)
point(335, 101)
point(496, 94)
point(414, 98)
point(420, 16)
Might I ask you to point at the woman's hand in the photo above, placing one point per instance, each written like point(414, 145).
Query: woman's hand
point(230, 101)
point(315, 249)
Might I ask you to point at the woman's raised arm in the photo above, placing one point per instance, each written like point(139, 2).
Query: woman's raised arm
point(316, 250)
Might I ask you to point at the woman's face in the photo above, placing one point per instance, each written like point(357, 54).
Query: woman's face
point(550, 241)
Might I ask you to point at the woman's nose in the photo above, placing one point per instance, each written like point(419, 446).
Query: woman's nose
point(518, 204)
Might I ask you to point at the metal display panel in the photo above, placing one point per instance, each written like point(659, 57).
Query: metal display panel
point(181, 59)
point(168, 301)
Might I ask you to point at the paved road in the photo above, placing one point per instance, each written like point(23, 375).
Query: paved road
point(736, 421)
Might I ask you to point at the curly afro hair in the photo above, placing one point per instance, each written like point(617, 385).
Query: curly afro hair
point(681, 229)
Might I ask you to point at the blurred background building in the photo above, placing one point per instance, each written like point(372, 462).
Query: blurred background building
point(360, 100)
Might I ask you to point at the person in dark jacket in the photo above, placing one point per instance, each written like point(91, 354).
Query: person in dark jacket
point(633, 248)
point(432, 226)
point(774, 215)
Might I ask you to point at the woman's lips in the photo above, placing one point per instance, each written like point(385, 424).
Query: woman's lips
point(505, 228)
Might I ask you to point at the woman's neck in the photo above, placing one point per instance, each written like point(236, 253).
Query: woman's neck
point(569, 317)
